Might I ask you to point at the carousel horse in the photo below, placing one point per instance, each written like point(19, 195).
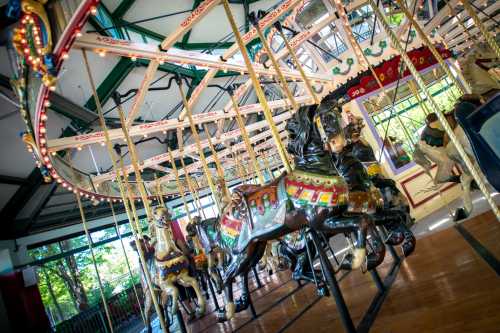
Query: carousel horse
point(434, 146)
point(477, 66)
point(172, 265)
point(395, 215)
point(204, 259)
point(480, 68)
point(313, 195)
point(149, 253)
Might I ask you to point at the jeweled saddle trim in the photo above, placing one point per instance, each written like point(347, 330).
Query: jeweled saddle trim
point(314, 189)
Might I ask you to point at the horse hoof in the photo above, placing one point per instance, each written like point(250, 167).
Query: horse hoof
point(200, 310)
point(394, 238)
point(409, 246)
point(221, 316)
point(322, 291)
point(460, 214)
point(346, 263)
point(242, 304)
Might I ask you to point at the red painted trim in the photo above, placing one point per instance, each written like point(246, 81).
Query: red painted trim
point(421, 202)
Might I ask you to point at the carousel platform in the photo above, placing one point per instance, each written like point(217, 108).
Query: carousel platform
point(453, 289)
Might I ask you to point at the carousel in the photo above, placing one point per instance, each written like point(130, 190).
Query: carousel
point(292, 164)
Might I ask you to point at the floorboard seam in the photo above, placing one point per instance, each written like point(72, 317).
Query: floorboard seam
point(482, 251)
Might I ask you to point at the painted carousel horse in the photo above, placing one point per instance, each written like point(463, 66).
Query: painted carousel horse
point(205, 259)
point(434, 147)
point(395, 215)
point(313, 195)
point(149, 253)
point(480, 67)
point(171, 264)
point(477, 66)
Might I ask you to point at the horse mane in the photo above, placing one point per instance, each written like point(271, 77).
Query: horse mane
point(299, 129)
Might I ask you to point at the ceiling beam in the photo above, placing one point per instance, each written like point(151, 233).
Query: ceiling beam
point(122, 9)
point(165, 125)
point(10, 180)
point(21, 197)
point(186, 36)
point(124, 48)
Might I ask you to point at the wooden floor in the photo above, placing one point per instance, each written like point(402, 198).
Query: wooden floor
point(445, 286)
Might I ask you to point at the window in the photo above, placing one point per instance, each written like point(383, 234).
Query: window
point(400, 126)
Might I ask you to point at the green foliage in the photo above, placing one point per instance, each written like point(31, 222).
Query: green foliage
point(109, 259)
point(412, 116)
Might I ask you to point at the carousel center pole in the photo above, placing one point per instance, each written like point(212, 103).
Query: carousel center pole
point(419, 80)
point(197, 140)
point(92, 254)
point(296, 61)
point(277, 68)
point(491, 41)
point(464, 87)
point(258, 88)
point(142, 257)
point(246, 138)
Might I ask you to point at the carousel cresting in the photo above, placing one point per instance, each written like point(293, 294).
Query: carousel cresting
point(287, 178)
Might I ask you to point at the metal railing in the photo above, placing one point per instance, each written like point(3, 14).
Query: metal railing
point(123, 310)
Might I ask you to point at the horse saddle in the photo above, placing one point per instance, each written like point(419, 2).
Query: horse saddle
point(309, 189)
point(172, 263)
point(305, 188)
point(254, 210)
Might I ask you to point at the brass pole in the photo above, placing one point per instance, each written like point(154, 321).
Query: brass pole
point(258, 89)
point(453, 13)
point(129, 198)
point(465, 88)
point(277, 68)
point(194, 195)
point(299, 67)
point(363, 59)
point(246, 138)
point(218, 165)
point(118, 233)
point(159, 192)
point(196, 137)
point(491, 41)
point(89, 240)
point(179, 185)
point(266, 164)
point(415, 93)
point(109, 147)
point(419, 80)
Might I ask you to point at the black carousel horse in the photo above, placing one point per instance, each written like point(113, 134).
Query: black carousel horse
point(313, 195)
point(395, 215)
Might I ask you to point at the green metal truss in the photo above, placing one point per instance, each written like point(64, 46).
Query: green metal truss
point(111, 82)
